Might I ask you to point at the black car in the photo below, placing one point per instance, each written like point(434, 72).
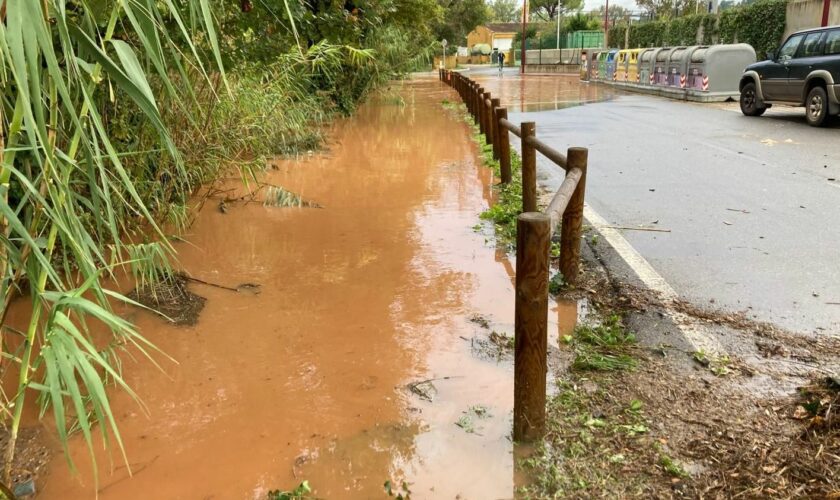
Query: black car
point(805, 71)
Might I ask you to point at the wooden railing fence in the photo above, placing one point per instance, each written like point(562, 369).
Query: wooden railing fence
point(534, 232)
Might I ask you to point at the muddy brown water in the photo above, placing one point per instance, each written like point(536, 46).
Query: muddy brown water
point(542, 93)
point(307, 379)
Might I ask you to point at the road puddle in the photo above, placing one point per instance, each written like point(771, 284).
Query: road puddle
point(543, 93)
point(359, 298)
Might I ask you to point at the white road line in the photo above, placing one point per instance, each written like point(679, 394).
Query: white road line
point(697, 335)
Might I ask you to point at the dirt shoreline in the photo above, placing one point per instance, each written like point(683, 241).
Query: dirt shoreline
point(761, 423)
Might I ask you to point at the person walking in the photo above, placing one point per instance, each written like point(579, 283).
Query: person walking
point(501, 61)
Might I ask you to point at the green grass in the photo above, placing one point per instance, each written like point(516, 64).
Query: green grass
point(604, 347)
point(508, 204)
point(589, 440)
point(671, 467)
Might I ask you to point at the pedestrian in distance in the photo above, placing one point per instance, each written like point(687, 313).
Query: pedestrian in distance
point(501, 61)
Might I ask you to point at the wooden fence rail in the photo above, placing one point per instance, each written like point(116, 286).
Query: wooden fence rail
point(534, 231)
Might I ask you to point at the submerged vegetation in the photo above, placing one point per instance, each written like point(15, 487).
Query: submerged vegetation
point(508, 203)
point(113, 115)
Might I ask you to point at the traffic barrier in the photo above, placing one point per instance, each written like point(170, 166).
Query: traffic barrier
point(534, 231)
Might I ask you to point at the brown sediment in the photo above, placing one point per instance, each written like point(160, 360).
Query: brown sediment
point(308, 379)
point(543, 93)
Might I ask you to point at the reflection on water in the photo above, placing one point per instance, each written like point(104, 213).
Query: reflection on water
point(307, 380)
point(543, 93)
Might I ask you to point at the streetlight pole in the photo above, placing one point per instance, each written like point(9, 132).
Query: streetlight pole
point(524, 36)
point(443, 62)
point(557, 13)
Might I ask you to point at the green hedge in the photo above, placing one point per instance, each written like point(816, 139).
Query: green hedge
point(761, 24)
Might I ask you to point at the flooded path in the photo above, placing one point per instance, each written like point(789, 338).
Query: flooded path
point(359, 299)
point(533, 93)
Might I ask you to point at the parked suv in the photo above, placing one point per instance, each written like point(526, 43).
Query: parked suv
point(805, 71)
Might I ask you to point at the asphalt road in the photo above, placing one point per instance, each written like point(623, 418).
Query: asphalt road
point(753, 204)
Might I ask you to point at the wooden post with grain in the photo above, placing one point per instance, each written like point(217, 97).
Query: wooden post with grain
point(488, 117)
point(497, 130)
point(533, 237)
point(504, 147)
point(572, 225)
point(529, 168)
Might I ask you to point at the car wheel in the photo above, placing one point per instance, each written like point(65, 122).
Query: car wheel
point(816, 107)
point(749, 101)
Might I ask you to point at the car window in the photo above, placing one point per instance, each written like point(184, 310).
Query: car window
point(832, 42)
point(789, 48)
point(811, 46)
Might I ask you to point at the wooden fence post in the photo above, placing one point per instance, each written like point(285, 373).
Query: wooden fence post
point(479, 97)
point(533, 235)
point(497, 131)
point(488, 117)
point(529, 168)
point(468, 98)
point(572, 224)
point(504, 146)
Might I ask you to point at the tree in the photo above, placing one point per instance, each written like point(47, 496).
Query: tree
point(459, 18)
point(504, 11)
point(617, 13)
point(582, 22)
point(548, 10)
point(659, 9)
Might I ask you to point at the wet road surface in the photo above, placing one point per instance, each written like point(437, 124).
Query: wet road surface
point(752, 203)
point(360, 298)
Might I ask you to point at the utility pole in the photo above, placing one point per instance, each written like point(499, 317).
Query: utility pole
point(826, 8)
point(557, 13)
point(607, 25)
point(627, 33)
point(524, 37)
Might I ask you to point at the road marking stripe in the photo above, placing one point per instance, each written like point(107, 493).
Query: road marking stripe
point(698, 336)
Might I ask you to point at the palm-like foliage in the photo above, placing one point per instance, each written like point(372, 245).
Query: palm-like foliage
point(65, 192)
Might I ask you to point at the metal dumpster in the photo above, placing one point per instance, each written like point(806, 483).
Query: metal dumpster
point(677, 66)
point(611, 62)
point(719, 68)
point(660, 67)
point(620, 74)
point(645, 70)
point(592, 64)
point(601, 71)
point(631, 70)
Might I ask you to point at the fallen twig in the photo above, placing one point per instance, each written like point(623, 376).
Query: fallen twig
point(639, 228)
point(223, 287)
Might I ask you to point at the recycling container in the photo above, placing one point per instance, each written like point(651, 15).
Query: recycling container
point(646, 66)
point(592, 64)
point(621, 65)
point(631, 69)
point(602, 65)
point(660, 67)
point(678, 66)
point(610, 65)
point(718, 68)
